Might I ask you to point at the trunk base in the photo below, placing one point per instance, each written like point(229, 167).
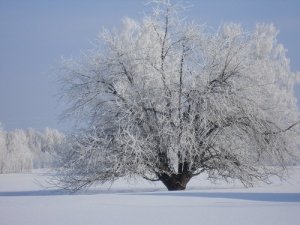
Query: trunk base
point(175, 182)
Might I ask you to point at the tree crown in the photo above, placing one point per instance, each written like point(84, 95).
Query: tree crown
point(166, 98)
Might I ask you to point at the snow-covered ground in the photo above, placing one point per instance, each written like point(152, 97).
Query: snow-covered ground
point(24, 201)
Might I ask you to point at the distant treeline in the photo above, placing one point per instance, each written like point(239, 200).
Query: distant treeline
point(23, 150)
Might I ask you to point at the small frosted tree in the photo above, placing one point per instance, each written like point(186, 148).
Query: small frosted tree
point(3, 151)
point(167, 100)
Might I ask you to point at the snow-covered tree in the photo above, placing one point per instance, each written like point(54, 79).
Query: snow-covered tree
point(23, 150)
point(3, 149)
point(167, 100)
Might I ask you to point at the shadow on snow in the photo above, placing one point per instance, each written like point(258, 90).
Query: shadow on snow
point(268, 197)
point(33, 193)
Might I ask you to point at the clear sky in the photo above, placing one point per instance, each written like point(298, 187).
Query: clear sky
point(35, 34)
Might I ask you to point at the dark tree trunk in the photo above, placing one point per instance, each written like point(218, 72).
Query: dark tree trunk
point(175, 182)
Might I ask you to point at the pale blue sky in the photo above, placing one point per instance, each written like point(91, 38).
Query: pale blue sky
point(34, 34)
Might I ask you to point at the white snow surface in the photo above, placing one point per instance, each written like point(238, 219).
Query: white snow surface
point(24, 200)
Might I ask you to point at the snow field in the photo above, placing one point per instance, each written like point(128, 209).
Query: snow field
point(23, 201)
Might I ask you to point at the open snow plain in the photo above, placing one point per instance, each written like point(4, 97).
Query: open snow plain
point(23, 201)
